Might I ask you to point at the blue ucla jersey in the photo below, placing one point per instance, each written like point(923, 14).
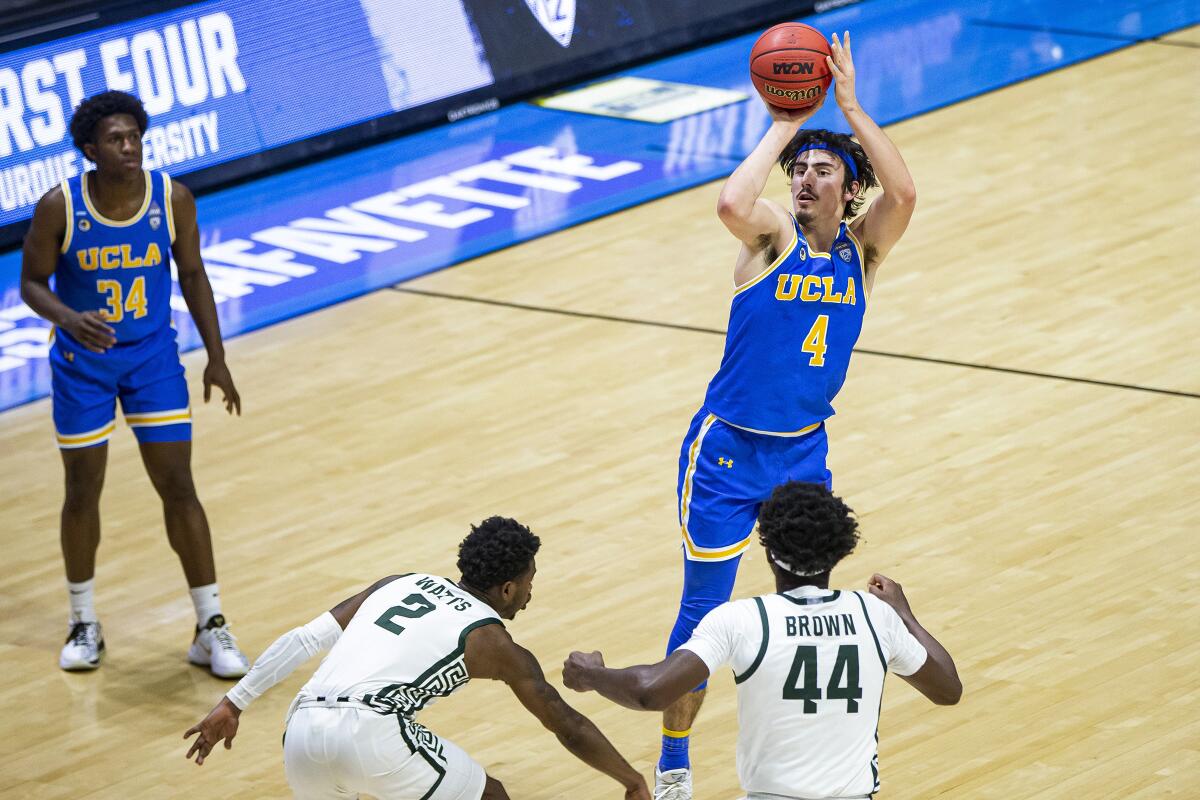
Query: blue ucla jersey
point(120, 268)
point(791, 332)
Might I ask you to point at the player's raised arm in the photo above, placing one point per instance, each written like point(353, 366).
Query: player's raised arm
point(937, 678)
point(887, 218)
point(197, 293)
point(646, 687)
point(38, 261)
point(756, 221)
point(491, 653)
point(278, 661)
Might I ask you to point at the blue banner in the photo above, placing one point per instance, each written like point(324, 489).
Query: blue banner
point(230, 78)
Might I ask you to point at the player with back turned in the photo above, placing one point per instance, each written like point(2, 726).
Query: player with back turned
point(809, 661)
point(801, 283)
point(107, 238)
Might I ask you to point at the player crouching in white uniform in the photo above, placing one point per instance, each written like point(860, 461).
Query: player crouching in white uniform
point(395, 648)
point(809, 662)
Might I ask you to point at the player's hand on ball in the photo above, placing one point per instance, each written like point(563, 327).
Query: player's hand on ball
point(221, 723)
point(217, 374)
point(795, 116)
point(577, 667)
point(889, 592)
point(841, 64)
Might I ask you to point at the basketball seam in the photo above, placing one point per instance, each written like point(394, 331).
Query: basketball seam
point(791, 50)
point(773, 79)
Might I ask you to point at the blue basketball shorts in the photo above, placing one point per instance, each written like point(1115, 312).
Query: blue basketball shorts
point(146, 376)
point(725, 474)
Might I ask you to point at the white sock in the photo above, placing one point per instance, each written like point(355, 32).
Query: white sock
point(83, 600)
point(207, 600)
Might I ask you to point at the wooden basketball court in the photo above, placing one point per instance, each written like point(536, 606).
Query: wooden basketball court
point(1019, 435)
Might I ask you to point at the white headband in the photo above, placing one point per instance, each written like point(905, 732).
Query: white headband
point(789, 568)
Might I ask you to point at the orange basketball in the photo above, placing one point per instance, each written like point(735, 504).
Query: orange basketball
point(787, 65)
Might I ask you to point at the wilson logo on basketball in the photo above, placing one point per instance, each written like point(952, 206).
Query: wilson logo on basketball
point(795, 95)
point(792, 68)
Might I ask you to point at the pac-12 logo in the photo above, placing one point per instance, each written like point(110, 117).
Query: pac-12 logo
point(556, 16)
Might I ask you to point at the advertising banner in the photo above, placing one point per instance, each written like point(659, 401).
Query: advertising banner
point(225, 79)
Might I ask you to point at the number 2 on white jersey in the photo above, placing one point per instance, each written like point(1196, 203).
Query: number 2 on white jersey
point(814, 341)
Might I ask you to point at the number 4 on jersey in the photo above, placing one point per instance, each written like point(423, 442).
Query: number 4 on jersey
point(801, 681)
point(814, 341)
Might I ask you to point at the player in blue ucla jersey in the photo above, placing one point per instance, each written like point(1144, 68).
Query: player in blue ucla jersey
point(106, 237)
point(801, 284)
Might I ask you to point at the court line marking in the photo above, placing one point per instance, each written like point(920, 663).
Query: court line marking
point(719, 332)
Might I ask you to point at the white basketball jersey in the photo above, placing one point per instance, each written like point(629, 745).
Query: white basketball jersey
point(404, 647)
point(809, 666)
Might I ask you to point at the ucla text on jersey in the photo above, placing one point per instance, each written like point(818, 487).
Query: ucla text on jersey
point(121, 268)
point(792, 329)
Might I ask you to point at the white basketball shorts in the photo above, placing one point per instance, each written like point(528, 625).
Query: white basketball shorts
point(335, 752)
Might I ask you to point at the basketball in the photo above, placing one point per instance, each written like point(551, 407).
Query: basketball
point(787, 65)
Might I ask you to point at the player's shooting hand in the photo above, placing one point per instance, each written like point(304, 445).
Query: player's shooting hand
point(578, 667)
point(889, 592)
point(795, 116)
point(841, 64)
point(221, 723)
point(90, 330)
point(217, 374)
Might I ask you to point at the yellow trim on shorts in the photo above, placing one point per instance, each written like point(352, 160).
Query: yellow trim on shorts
point(150, 419)
point(691, 549)
point(685, 497)
point(85, 439)
point(697, 553)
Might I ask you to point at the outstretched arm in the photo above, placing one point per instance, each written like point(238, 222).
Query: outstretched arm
point(491, 653)
point(278, 661)
point(887, 218)
point(647, 687)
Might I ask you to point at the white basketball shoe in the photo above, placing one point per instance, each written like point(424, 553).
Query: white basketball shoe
point(216, 648)
point(674, 784)
point(84, 647)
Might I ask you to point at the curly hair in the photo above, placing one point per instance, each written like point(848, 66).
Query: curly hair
point(87, 116)
point(495, 551)
point(807, 527)
point(838, 141)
